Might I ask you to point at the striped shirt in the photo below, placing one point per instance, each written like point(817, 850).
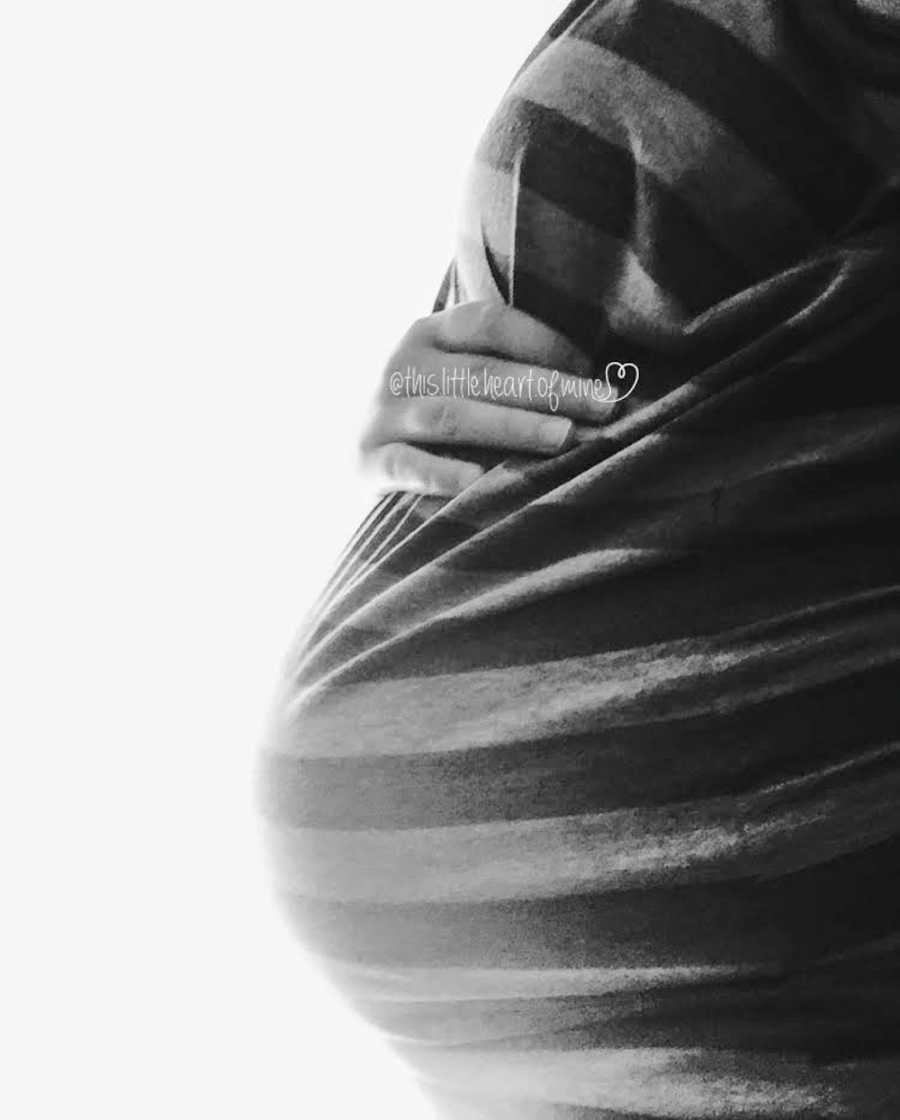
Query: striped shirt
point(584, 784)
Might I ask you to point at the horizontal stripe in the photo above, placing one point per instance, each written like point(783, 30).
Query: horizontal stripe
point(642, 766)
point(597, 607)
point(611, 211)
point(823, 1021)
point(661, 1081)
point(763, 27)
point(594, 270)
point(768, 832)
point(454, 985)
point(671, 138)
point(582, 321)
point(787, 922)
point(775, 123)
point(458, 1105)
point(462, 711)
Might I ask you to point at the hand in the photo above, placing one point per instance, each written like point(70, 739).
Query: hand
point(514, 397)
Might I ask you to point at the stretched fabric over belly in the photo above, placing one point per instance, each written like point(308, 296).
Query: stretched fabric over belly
point(584, 785)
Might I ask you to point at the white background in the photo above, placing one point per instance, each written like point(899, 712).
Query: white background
point(216, 219)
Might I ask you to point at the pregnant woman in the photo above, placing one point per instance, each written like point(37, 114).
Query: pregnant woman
point(583, 783)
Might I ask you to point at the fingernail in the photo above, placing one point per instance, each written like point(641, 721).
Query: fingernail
point(556, 433)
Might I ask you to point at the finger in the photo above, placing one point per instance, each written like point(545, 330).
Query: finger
point(493, 380)
point(398, 466)
point(459, 421)
point(492, 327)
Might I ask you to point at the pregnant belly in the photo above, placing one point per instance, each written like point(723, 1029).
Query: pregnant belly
point(584, 785)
